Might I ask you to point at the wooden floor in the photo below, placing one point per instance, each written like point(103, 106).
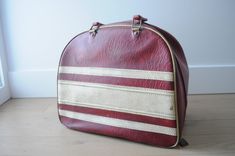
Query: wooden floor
point(30, 127)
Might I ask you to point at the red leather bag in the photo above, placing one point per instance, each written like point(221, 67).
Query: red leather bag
point(127, 80)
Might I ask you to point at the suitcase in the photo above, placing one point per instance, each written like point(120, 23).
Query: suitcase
point(127, 80)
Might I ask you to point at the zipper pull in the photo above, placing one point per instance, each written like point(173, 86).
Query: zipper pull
point(183, 142)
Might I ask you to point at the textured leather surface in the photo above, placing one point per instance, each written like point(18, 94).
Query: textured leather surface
point(121, 50)
point(182, 77)
point(116, 47)
point(132, 135)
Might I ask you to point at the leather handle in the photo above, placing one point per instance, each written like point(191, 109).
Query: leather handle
point(94, 28)
point(97, 24)
point(137, 24)
point(139, 18)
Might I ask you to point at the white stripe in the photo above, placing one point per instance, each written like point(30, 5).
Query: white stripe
point(115, 72)
point(120, 123)
point(142, 101)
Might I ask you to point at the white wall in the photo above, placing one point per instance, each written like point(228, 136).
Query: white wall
point(4, 86)
point(37, 31)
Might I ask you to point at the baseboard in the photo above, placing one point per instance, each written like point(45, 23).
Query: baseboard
point(212, 79)
point(33, 83)
point(203, 80)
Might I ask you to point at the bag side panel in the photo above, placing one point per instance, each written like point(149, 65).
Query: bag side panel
point(182, 77)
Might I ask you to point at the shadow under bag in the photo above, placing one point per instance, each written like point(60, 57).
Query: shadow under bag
point(127, 80)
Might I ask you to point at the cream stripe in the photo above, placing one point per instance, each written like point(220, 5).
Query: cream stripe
point(119, 123)
point(114, 72)
point(142, 101)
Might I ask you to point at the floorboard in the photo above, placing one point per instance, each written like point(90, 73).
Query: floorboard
point(30, 127)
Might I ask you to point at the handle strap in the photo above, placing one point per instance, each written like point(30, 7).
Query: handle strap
point(94, 28)
point(137, 22)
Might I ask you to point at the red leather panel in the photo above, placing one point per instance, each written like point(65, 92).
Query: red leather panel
point(181, 100)
point(133, 135)
point(122, 50)
point(157, 84)
point(119, 115)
